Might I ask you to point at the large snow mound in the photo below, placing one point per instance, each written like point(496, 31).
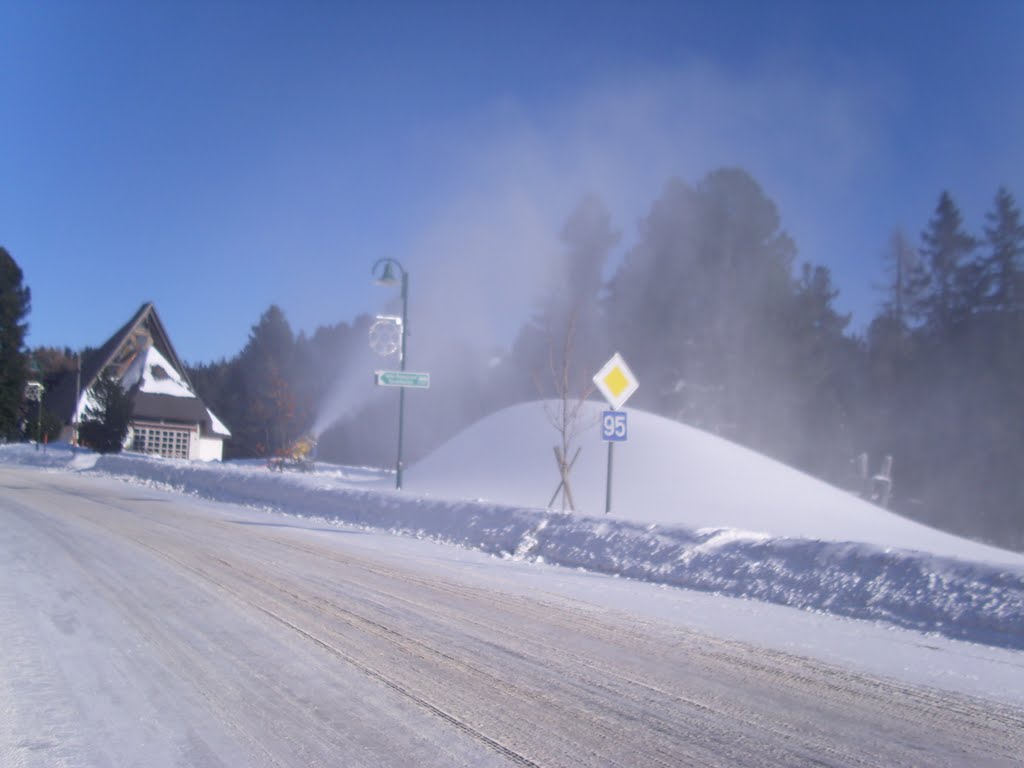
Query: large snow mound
point(669, 474)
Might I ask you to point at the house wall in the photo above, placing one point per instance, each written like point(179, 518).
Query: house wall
point(210, 449)
point(199, 448)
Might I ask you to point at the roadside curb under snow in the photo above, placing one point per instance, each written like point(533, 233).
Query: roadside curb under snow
point(970, 601)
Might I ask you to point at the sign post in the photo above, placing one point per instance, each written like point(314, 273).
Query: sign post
point(402, 379)
point(617, 383)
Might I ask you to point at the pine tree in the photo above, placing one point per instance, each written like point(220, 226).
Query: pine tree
point(701, 303)
point(947, 281)
point(569, 307)
point(653, 312)
point(588, 238)
point(15, 303)
point(945, 396)
point(105, 425)
point(269, 420)
point(900, 289)
point(822, 364)
point(1003, 266)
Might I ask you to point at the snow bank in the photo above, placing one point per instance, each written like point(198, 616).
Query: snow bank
point(57, 455)
point(979, 601)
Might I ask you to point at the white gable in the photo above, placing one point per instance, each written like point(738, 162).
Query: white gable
point(155, 375)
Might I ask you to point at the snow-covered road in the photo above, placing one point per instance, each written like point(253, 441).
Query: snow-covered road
point(146, 628)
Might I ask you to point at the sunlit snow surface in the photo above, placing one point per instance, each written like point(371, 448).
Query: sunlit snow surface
point(669, 474)
point(690, 510)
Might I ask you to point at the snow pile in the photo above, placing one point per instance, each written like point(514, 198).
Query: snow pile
point(980, 600)
point(672, 474)
point(56, 456)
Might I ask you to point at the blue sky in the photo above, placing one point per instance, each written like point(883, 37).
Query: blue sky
point(217, 157)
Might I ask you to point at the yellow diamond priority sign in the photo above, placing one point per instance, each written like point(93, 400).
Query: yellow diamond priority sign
point(616, 382)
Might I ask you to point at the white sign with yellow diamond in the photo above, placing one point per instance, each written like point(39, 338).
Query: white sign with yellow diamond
point(616, 382)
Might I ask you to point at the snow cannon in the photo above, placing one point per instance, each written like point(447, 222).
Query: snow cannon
point(299, 455)
point(304, 448)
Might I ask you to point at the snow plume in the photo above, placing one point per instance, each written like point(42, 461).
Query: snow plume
point(491, 247)
point(352, 390)
point(344, 401)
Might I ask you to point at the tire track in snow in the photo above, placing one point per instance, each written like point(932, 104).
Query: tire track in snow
point(975, 723)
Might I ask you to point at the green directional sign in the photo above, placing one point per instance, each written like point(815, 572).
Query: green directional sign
point(402, 379)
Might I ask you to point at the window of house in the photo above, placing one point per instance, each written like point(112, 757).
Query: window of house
point(161, 441)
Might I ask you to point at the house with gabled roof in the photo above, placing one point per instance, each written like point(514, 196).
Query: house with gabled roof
point(168, 418)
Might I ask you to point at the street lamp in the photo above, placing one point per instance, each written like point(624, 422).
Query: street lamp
point(34, 391)
point(78, 400)
point(386, 277)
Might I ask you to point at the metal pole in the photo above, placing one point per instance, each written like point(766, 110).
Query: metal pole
point(401, 390)
point(78, 398)
point(608, 486)
point(39, 422)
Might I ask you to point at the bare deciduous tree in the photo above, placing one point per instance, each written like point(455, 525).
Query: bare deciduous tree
point(565, 408)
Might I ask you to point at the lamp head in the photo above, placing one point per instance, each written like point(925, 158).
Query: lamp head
point(387, 276)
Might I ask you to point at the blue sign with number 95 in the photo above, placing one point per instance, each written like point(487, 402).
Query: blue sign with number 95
point(613, 426)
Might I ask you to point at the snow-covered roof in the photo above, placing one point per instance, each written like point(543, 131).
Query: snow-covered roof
point(217, 425)
point(156, 376)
